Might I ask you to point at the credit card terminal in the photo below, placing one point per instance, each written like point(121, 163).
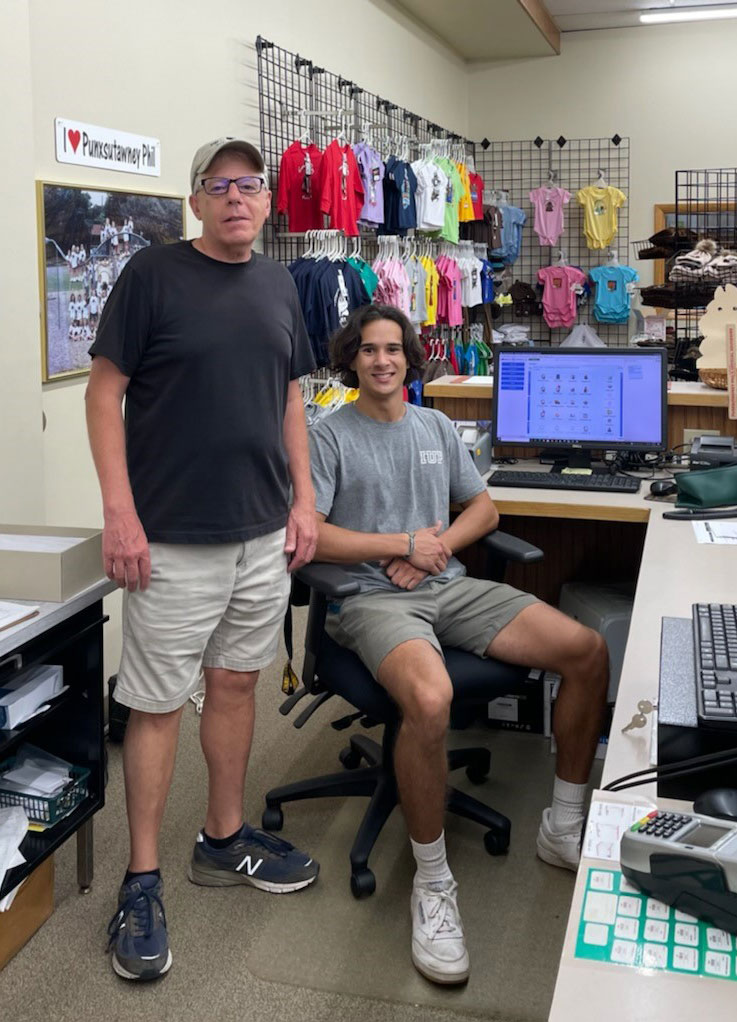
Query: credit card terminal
point(687, 861)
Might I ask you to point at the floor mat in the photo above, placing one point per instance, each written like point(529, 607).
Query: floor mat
point(514, 907)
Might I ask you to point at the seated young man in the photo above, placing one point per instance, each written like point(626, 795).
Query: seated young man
point(385, 473)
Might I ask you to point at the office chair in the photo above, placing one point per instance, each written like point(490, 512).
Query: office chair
point(330, 669)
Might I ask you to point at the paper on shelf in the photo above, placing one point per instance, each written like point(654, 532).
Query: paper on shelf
point(13, 827)
point(606, 824)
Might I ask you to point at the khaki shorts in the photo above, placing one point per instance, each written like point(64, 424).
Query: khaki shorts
point(466, 613)
point(211, 605)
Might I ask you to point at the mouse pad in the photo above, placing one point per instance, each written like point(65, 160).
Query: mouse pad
point(620, 925)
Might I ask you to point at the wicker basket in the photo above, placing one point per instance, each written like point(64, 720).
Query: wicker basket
point(716, 378)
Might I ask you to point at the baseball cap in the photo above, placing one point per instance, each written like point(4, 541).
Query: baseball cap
point(207, 153)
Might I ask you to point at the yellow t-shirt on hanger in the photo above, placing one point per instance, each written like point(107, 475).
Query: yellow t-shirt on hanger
point(600, 207)
point(432, 279)
point(465, 203)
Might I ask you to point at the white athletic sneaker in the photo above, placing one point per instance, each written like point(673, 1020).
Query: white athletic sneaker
point(438, 945)
point(559, 849)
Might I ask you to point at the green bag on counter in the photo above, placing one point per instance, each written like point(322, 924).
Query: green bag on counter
point(709, 487)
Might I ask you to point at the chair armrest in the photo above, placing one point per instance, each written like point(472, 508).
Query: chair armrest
point(511, 548)
point(329, 579)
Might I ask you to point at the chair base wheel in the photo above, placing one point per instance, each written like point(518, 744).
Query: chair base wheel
point(363, 883)
point(496, 844)
point(272, 818)
point(349, 758)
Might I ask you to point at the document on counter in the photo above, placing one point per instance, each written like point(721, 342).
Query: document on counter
point(13, 613)
point(715, 532)
point(606, 824)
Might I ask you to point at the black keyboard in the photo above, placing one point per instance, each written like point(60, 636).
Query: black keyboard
point(715, 653)
point(557, 481)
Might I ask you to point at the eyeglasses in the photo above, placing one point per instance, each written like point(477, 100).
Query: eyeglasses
point(249, 185)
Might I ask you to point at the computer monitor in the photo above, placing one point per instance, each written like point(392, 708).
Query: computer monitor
point(575, 400)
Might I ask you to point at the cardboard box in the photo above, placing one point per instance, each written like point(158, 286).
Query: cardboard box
point(29, 572)
point(32, 906)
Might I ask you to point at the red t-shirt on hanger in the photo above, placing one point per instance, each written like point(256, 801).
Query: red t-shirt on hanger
point(299, 192)
point(341, 189)
point(476, 184)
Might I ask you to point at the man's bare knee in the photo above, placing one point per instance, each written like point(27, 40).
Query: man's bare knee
point(587, 658)
point(426, 707)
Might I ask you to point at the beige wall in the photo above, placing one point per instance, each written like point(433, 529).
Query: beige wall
point(183, 72)
point(670, 88)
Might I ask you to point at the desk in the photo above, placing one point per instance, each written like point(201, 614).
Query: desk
point(70, 634)
point(667, 584)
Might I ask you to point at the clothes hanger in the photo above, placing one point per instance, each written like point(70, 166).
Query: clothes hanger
point(613, 259)
point(602, 181)
point(552, 178)
point(562, 258)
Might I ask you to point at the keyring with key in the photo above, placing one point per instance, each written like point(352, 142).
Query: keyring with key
point(639, 719)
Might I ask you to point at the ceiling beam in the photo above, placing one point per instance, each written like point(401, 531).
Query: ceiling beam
point(540, 17)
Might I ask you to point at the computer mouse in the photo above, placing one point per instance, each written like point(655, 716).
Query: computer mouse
point(662, 487)
point(721, 802)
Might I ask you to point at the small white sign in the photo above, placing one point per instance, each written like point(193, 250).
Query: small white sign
point(89, 145)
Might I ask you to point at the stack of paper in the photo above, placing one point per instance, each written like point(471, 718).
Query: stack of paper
point(13, 613)
point(23, 695)
point(35, 772)
point(13, 827)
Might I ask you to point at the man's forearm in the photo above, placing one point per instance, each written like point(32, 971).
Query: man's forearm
point(343, 546)
point(475, 521)
point(297, 447)
point(107, 442)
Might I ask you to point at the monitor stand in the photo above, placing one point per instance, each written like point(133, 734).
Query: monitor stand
point(563, 457)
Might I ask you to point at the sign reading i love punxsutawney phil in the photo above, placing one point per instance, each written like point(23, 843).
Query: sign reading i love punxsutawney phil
point(92, 146)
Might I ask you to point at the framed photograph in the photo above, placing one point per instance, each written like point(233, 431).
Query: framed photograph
point(86, 237)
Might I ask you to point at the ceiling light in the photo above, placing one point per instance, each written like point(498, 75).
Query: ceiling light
point(691, 14)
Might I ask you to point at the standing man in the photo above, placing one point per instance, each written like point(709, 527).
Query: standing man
point(385, 474)
point(206, 341)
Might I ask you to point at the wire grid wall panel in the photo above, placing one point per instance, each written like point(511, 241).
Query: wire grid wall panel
point(706, 204)
point(297, 95)
point(519, 167)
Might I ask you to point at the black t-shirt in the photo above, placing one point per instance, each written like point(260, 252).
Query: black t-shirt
point(210, 348)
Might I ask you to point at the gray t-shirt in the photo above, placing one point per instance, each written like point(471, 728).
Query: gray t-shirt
point(386, 477)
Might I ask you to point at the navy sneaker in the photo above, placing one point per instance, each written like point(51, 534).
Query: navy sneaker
point(256, 858)
point(138, 939)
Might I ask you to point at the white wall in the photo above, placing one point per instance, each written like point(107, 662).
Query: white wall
point(670, 88)
point(21, 446)
point(184, 72)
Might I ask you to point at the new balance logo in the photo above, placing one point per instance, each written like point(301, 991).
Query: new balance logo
point(250, 868)
point(431, 457)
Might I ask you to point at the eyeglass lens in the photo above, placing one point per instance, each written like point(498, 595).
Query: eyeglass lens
point(221, 185)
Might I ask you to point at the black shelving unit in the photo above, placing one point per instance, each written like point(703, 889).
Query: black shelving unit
point(71, 728)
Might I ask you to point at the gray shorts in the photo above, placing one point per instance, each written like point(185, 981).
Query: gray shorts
point(466, 613)
point(211, 605)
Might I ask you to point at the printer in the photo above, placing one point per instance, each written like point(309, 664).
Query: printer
point(478, 442)
point(713, 452)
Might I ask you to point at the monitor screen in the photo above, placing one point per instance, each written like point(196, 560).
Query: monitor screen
point(606, 398)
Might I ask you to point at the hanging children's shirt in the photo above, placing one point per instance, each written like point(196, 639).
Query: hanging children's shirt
point(432, 280)
point(487, 282)
point(465, 205)
point(470, 268)
point(548, 204)
point(450, 307)
point(298, 193)
point(513, 219)
point(559, 298)
point(612, 301)
point(432, 182)
point(394, 284)
point(476, 186)
point(453, 188)
point(328, 291)
point(400, 187)
point(341, 191)
point(600, 213)
point(367, 275)
point(371, 169)
point(417, 279)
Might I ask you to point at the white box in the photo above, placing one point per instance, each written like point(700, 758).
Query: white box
point(46, 562)
point(608, 610)
point(25, 692)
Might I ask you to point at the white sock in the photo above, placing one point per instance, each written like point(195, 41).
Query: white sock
point(567, 810)
point(432, 862)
